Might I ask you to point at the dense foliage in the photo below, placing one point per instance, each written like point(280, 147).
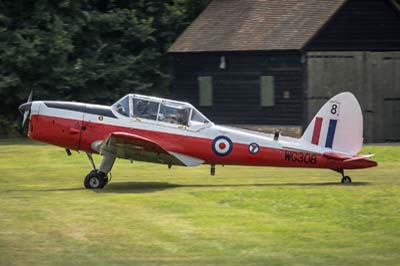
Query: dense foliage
point(86, 50)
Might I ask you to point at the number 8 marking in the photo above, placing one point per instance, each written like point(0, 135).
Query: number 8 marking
point(334, 109)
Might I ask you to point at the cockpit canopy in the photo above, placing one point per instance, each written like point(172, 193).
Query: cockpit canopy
point(158, 109)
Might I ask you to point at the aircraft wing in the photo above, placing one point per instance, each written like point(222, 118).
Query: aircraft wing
point(135, 147)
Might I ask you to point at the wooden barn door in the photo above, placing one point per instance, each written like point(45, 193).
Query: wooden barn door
point(384, 74)
point(373, 77)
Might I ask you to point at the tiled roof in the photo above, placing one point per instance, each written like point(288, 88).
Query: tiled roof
point(254, 25)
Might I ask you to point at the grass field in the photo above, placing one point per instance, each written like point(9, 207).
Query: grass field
point(149, 215)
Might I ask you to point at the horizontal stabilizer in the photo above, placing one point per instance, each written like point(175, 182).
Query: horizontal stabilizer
point(345, 158)
point(359, 157)
point(337, 156)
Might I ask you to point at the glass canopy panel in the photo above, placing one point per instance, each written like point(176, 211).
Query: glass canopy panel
point(122, 106)
point(197, 118)
point(174, 113)
point(146, 109)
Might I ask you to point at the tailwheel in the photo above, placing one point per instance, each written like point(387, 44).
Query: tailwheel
point(95, 180)
point(346, 179)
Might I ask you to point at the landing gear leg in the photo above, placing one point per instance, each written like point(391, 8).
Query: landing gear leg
point(97, 178)
point(345, 179)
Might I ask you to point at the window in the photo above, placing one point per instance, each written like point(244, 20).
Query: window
point(205, 91)
point(267, 91)
point(286, 95)
point(122, 106)
point(145, 109)
point(174, 113)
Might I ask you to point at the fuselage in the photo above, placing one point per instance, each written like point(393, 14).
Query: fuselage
point(78, 126)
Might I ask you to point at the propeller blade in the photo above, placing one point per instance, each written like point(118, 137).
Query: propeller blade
point(26, 114)
point(25, 108)
point(30, 97)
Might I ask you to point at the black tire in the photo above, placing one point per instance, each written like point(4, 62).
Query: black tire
point(94, 180)
point(105, 181)
point(346, 180)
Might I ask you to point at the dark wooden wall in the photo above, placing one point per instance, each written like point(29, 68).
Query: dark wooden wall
point(236, 98)
point(357, 51)
point(350, 52)
point(360, 25)
point(373, 77)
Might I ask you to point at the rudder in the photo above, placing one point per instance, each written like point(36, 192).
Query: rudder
point(338, 125)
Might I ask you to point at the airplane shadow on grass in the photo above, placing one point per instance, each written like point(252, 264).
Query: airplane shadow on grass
point(149, 187)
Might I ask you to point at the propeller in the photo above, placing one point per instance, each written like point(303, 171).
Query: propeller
point(25, 108)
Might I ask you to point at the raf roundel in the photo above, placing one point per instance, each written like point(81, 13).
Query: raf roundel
point(222, 146)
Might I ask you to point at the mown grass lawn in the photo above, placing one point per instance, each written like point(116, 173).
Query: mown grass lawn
point(149, 215)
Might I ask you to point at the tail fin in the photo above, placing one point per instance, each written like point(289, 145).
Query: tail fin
point(338, 125)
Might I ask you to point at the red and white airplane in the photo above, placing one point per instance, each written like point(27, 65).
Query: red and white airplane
point(170, 132)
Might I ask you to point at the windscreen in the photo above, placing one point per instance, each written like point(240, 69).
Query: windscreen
point(122, 106)
point(197, 118)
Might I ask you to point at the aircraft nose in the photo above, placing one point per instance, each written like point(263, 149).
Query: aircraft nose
point(24, 107)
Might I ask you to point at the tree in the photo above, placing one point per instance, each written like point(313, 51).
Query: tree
point(93, 51)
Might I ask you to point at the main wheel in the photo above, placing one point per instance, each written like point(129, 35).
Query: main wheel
point(105, 181)
point(94, 180)
point(346, 180)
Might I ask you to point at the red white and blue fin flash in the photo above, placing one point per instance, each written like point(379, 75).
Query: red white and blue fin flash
point(330, 136)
